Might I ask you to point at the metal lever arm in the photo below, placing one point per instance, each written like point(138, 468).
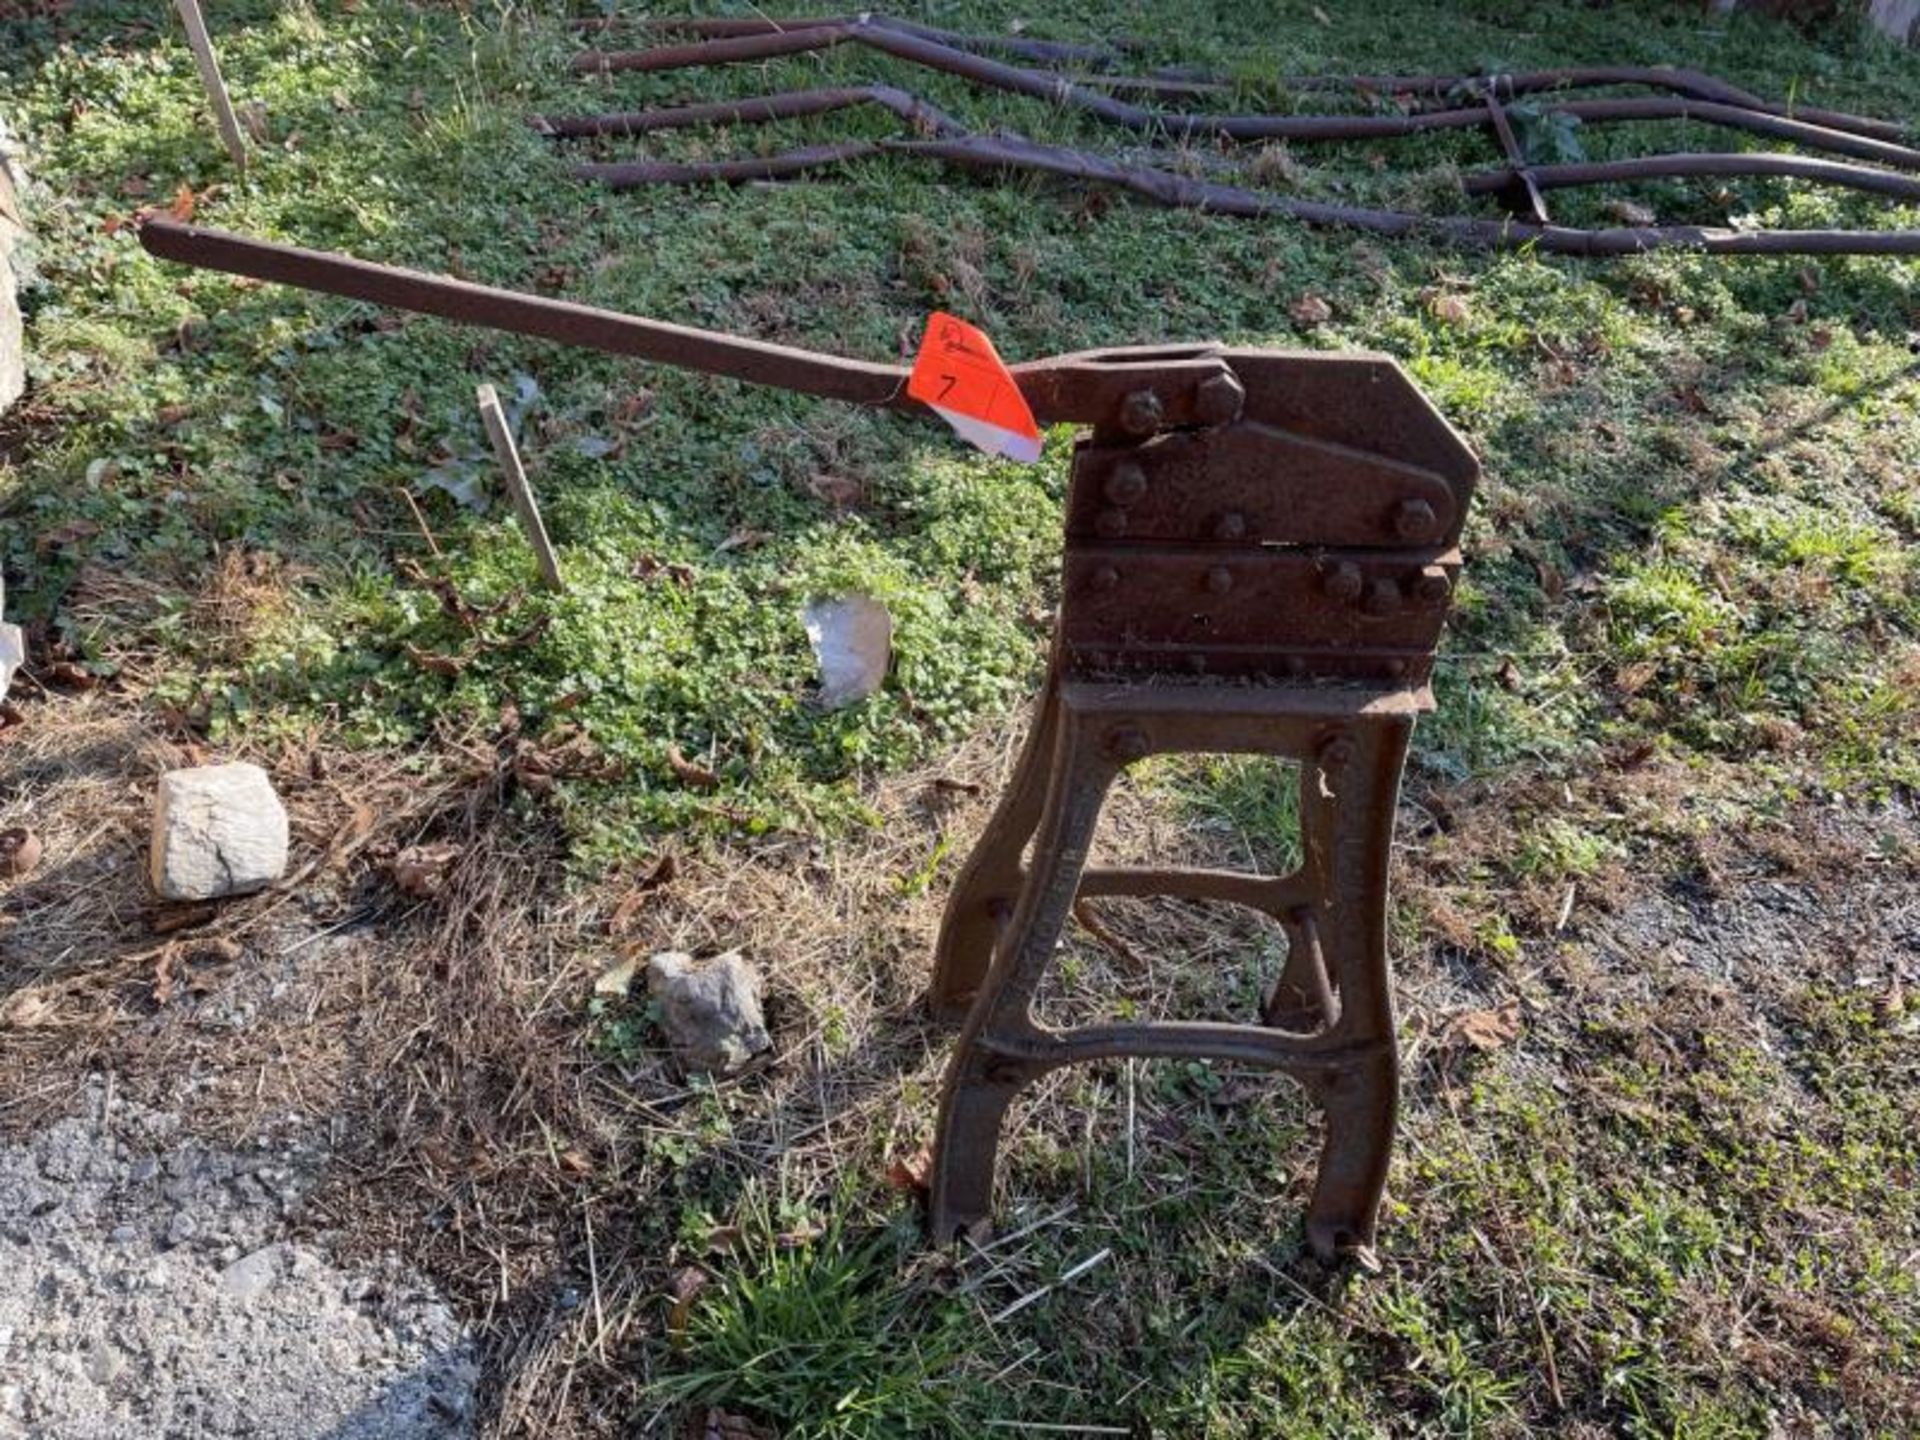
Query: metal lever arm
point(857, 381)
point(1096, 387)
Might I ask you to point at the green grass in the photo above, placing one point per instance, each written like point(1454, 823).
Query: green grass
point(1694, 541)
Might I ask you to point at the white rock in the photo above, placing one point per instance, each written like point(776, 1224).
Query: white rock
point(1898, 20)
point(13, 644)
point(217, 830)
point(253, 1274)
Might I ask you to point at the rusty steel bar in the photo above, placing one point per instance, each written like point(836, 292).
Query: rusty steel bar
point(1045, 52)
point(792, 104)
point(831, 377)
point(1695, 84)
point(1164, 187)
point(1698, 165)
point(1055, 89)
point(1677, 80)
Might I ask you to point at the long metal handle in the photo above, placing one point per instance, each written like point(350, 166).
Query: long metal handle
point(1141, 390)
point(833, 377)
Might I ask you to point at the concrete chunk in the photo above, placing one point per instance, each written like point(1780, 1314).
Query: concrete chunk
point(711, 1012)
point(217, 830)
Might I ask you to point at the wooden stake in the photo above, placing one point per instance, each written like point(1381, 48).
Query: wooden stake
point(523, 501)
point(203, 56)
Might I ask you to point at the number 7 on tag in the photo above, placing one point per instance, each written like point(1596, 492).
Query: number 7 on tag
point(960, 377)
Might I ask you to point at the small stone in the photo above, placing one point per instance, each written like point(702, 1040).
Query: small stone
point(104, 1364)
point(143, 1170)
point(253, 1274)
point(13, 654)
point(182, 1228)
point(217, 830)
point(711, 1010)
point(125, 1234)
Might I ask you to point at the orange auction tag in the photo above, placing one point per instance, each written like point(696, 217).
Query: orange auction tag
point(958, 374)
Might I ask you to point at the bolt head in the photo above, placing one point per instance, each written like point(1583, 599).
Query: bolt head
point(1219, 580)
point(1336, 753)
point(1141, 413)
point(1110, 523)
point(1383, 596)
point(1231, 525)
point(1126, 485)
point(1415, 521)
point(1345, 582)
point(1219, 400)
point(1127, 743)
point(1433, 587)
point(1104, 578)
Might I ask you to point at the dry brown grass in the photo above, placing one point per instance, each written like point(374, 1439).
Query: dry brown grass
point(554, 1187)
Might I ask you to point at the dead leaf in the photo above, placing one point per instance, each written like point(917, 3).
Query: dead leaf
point(532, 770)
point(631, 903)
point(352, 835)
point(686, 1287)
point(688, 773)
point(421, 870)
point(909, 1173)
point(20, 851)
point(72, 675)
point(64, 537)
point(1450, 309)
point(576, 1162)
point(840, 491)
point(1486, 1029)
point(182, 207)
point(1634, 678)
point(725, 1425)
point(446, 665)
point(1310, 310)
point(745, 539)
point(646, 567)
point(1552, 584)
point(617, 979)
point(27, 1010)
point(180, 917)
point(1509, 675)
point(164, 978)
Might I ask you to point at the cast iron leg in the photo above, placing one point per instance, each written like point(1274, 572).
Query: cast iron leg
point(980, 1081)
point(989, 883)
point(1360, 1107)
point(1360, 1102)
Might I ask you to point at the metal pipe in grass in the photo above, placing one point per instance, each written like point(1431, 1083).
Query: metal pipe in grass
point(1180, 191)
point(1056, 89)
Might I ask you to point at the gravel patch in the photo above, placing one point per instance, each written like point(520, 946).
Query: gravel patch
point(152, 1286)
